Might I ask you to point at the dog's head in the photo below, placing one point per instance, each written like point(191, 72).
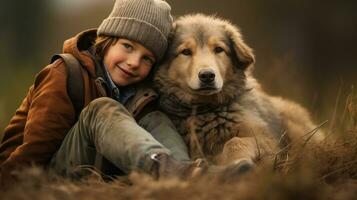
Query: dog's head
point(206, 58)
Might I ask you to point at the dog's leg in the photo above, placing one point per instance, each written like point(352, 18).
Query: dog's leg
point(235, 149)
point(249, 149)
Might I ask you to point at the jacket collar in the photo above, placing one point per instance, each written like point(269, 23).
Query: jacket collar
point(79, 45)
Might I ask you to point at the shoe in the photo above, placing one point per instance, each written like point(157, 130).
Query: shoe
point(165, 166)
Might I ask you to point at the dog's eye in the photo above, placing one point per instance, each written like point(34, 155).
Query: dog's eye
point(218, 50)
point(186, 52)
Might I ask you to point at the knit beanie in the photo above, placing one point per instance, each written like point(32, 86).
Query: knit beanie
point(147, 22)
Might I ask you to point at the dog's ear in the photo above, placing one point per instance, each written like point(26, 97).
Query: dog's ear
point(242, 55)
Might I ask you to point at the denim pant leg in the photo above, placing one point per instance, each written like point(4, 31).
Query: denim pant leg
point(106, 127)
point(164, 131)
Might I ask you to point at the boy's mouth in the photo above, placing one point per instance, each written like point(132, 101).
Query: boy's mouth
point(127, 72)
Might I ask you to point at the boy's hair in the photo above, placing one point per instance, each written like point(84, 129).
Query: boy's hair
point(102, 44)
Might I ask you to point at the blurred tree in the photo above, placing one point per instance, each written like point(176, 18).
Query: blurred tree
point(304, 49)
point(22, 30)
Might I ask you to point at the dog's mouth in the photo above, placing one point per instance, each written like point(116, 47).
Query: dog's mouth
point(207, 90)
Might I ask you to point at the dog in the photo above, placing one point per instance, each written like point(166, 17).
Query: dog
point(207, 88)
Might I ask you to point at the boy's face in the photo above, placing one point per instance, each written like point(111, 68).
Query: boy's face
point(128, 62)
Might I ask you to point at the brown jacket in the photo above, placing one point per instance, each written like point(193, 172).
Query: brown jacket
point(46, 114)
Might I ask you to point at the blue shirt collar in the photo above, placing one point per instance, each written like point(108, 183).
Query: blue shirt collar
point(122, 95)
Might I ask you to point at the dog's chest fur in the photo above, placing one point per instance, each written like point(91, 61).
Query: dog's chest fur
point(204, 128)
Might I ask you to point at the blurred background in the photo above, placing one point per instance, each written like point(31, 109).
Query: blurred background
point(305, 50)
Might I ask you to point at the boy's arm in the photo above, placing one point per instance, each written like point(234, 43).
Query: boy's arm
point(49, 118)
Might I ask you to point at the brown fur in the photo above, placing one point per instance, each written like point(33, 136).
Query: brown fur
point(229, 118)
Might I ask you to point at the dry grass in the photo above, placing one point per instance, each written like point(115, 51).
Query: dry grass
point(327, 171)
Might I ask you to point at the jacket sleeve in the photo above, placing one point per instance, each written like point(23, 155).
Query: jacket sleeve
point(50, 116)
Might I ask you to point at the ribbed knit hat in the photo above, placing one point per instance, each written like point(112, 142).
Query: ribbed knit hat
point(147, 22)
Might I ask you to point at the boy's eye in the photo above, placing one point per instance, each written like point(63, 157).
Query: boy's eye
point(149, 60)
point(127, 46)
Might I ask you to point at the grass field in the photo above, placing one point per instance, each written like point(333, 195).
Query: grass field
point(327, 171)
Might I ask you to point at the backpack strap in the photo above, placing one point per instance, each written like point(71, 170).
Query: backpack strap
point(74, 81)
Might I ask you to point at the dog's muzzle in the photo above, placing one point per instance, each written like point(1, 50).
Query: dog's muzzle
point(206, 76)
point(207, 79)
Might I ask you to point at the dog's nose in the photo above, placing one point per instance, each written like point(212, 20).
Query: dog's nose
point(206, 76)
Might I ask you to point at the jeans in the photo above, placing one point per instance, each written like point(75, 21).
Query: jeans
point(106, 127)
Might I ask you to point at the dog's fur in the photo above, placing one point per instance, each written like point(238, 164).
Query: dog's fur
point(207, 89)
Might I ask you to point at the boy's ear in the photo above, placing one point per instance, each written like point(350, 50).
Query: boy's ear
point(170, 40)
point(172, 33)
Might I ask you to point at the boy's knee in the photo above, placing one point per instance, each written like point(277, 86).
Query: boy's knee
point(103, 105)
point(100, 102)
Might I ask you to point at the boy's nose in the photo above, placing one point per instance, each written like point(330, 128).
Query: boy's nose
point(133, 61)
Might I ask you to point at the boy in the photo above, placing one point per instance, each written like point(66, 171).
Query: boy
point(116, 62)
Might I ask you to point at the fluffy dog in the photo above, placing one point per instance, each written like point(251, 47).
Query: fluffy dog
point(208, 90)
